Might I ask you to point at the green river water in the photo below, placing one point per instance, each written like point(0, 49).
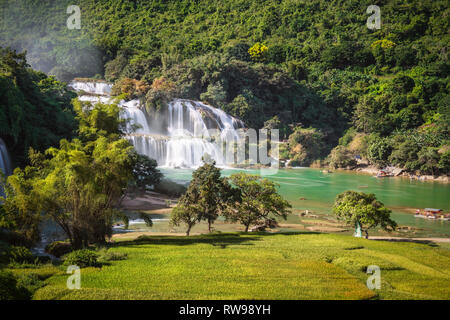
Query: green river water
point(319, 189)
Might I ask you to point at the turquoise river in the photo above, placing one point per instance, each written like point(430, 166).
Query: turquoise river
point(311, 189)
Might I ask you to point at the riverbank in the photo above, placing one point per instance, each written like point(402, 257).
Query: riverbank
point(159, 206)
point(399, 173)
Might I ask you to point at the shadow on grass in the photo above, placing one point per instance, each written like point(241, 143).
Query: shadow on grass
point(221, 240)
point(426, 242)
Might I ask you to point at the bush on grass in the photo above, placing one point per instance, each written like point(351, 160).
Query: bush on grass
point(82, 258)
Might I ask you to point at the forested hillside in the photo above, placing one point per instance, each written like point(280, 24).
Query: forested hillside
point(35, 110)
point(311, 68)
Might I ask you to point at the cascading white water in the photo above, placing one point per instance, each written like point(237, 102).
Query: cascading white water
point(5, 162)
point(186, 136)
point(96, 88)
point(180, 135)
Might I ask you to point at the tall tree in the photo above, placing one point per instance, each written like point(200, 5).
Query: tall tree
point(214, 191)
point(257, 202)
point(206, 197)
point(79, 185)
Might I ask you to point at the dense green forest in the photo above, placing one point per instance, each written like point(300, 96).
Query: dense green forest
point(35, 110)
point(311, 68)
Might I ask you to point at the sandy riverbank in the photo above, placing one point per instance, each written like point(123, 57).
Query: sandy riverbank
point(148, 202)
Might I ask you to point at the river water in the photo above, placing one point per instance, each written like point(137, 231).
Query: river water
point(319, 189)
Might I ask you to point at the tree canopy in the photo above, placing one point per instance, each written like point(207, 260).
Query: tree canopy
point(310, 63)
point(206, 198)
point(35, 110)
point(80, 184)
point(258, 201)
point(363, 210)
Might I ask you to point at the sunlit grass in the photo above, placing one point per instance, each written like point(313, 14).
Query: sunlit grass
point(261, 266)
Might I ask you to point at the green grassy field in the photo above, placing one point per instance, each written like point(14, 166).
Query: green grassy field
point(258, 266)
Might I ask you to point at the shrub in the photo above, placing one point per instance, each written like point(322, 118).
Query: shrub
point(9, 290)
point(28, 284)
point(82, 258)
point(238, 51)
point(21, 255)
point(58, 248)
point(4, 252)
point(297, 70)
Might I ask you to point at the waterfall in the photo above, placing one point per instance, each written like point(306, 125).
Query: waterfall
point(179, 135)
point(5, 162)
point(93, 88)
point(185, 136)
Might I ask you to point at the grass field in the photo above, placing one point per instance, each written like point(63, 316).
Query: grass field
point(258, 266)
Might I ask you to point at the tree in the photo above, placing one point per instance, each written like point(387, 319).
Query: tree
point(214, 191)
point(18, 214)
point(428, 159)
point(341, 157)
point(379, 151)
point(306, 145)
point(363, 211)
point(145, 174)
point(206, 197)
point(256, 202)
point(187, 210)
point(35, 109)
point(79, 185)
point(258, 52)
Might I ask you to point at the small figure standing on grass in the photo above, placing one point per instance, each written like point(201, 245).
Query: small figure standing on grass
point(363, 211)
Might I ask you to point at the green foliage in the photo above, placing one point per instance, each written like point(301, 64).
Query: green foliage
point(186, 211)
point(250, 201)
point(364, 209)
point(341, 157)
point(28, 284)
point(82, 258)
point(258, 52)
point(18, 214)
point(306, 145)
point(145, 175)
point(78, 185)
point(169, 187)
point(217, 266)
point(444, 162)
point(378, 151)
point(205, 199)
point(429, 159)
point(58, 248)
point(256, 202)
point(319, 66)
point(35, 110)
point(101, 120)
point(21, 255)
point(9, 288)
